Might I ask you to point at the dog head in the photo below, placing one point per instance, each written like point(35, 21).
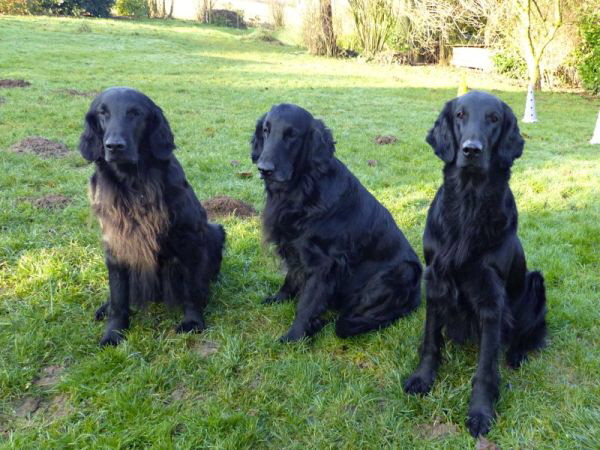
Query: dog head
point(287, 141)
point(122, 126)
point(475, 131)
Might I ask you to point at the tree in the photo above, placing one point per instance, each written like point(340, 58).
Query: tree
point(538, 20)
point(317, 28)
point(328, 35)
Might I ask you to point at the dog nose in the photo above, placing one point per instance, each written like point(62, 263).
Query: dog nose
point(472, 148)
point(115, 146)
point(266, 169)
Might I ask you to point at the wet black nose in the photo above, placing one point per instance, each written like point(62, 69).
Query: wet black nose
point(472, 148)
point(266, 169)
point(115, 146)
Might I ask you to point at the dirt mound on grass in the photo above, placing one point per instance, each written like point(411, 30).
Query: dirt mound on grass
point(385, 139)
point(41, 147)
point(225, 206)
point(14, 83)
point(77, 93)
point(262, 36)
point(51, 202)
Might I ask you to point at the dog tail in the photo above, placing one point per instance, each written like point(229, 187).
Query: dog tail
point(529, 332)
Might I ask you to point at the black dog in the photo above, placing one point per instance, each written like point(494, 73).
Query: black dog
point(157, 240)
point(477, 284)
point(342, 248)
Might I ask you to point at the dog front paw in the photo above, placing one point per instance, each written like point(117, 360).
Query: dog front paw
point(479, 421)
point(418, 384)
point(101, 312)
point(292, 335)
point(112, 337)
point(190, 326)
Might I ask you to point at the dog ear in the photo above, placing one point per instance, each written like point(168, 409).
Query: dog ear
point(159, 136)
point(90, 142)
point(320, 143)
point(257, 141)
point(441, 136)
point(511, 143)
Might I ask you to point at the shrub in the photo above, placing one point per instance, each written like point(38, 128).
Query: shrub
point(133, 8)
point(15, 7)
point(375, 22)
point(277, 13)
point(589, 53)
point(511, 64)
point(97, 8)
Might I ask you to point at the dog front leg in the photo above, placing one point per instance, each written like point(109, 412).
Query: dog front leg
point(486, 382)
point(312, 303)
point(118, 311)
point(421, 381)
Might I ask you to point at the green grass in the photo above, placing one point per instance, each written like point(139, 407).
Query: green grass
point(162, 389)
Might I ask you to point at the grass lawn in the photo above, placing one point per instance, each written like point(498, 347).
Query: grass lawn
point(234, 386)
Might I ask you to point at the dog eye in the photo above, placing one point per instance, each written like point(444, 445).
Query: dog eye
point(133, 112)
point(493, 118)
point(289, 133)
point(460, 114)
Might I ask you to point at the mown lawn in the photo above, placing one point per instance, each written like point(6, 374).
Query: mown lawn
point(234, 386)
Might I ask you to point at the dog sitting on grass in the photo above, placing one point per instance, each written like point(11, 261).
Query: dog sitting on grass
point(478, 287)
point(158, 243)
point(342, 249)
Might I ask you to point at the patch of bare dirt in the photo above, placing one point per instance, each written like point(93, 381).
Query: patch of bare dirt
point(55, 408)
point(43, 147)
point(244, 174)
point(385, 139)
point(28, 406)
point(50, 376)
point(77, 93)
point(14, 83)
point(2, 100)
point(51, 201)
point(58, 407)
point(372, 162)
point(484, 444)
point(206, 348)
point(436, 430)
point(235, 163)
point(180, 393)
point(225, 206)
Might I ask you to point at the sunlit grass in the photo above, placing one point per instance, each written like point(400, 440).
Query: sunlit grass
point(161, 389)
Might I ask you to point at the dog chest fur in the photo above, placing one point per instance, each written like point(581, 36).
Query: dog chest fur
point(132, 220)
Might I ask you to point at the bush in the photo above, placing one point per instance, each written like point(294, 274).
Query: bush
point(375, 21)
point(15, 6)
point(510, 64)
point(277, 13)
point(589, 53)
point(133, 8)
point(96, 8)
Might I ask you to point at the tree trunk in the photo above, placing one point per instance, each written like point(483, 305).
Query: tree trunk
point(535, 78)
point(328, 34)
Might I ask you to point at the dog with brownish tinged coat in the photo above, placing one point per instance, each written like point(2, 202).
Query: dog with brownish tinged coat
point(478, 287)
point(341, 247)
point(158, 242)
